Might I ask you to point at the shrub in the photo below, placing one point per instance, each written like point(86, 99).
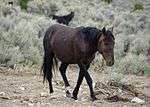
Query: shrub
point(147, 71)
point(21, 36)
point(107, 1)
point(130, 64)
point(20, 44)
point(138, 7)
point(23, 4)
point(47, 8)
point(140, 45)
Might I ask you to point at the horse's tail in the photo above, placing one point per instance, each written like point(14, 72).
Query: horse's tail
point(48, 59)
point(55, 68)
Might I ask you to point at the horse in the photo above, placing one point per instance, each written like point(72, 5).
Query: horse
point(63, 19)
point(75, 46)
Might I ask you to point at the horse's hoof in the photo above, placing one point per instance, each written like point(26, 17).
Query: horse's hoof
point(74, 97)
point(68, 94)
point(51, 91)
point(93, 98)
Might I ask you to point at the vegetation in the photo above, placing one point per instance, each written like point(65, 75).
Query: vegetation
point(23, 4)
point(21, 44)
point(107, 1)
point(138, 7)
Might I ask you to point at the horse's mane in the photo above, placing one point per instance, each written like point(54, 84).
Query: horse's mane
point(110, 34)
point(91, 34)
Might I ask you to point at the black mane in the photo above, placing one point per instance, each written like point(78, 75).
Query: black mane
point(109, 33)
point(91, 33)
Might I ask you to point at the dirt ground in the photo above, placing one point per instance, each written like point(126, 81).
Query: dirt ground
point(24, 89)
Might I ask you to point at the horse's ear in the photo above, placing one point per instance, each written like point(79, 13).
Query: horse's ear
point(99, 33)
point(104, 30)
point(72, 13)
point(112, 28)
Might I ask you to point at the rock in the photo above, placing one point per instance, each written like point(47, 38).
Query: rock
point(30, 104)
point(43, 94)
point(5, 97)
point(2, 93)
point(22, 88)
point(76, 101)
point(137, 100)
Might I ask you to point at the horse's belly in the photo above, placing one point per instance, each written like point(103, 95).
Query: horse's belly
point(73, 58)
point(67, 56)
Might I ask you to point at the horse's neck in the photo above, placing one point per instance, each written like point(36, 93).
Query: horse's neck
point(93, 48)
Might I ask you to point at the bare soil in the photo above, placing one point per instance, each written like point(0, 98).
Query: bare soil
point(24, 89)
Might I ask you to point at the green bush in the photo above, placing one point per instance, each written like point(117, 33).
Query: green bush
point(23, 4)
point(147, 71)
point(19, 41)
point(47, 8)
point(107, 1)
point(138, 7)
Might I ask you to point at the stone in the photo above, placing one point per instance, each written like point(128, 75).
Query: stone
point(22, 88)
point(43, 94)
point(137, 100)
point(2, 93)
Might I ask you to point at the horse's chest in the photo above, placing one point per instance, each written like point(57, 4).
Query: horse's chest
point(87, 57)
point(85, 53)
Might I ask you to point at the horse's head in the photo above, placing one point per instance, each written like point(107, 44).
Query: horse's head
point(72, 14)
point(106, 46)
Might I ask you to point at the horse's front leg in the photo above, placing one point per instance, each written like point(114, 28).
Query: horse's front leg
point(62, 69)
point(89, 81)
point(79, 81)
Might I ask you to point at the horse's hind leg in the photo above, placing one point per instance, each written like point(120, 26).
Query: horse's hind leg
point(62, 69)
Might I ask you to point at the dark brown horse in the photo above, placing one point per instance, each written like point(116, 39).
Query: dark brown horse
point(76, 46)
point(63, 19)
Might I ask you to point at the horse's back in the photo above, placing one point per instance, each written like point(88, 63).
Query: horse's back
point(63, 42)
point(60, 27)
point(62, 32)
